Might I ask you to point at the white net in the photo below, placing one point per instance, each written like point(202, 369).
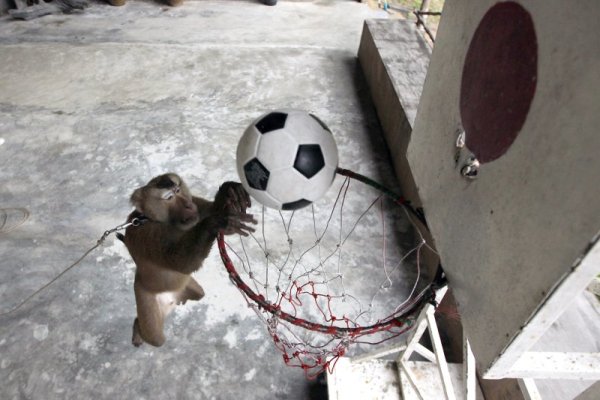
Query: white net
point(344, 270)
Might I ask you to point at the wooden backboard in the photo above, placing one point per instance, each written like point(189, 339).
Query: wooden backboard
point(523, 81)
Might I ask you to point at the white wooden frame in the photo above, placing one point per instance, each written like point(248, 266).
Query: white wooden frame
point(426, 320)
point(518, 362)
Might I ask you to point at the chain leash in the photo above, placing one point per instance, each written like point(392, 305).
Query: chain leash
point(134, 222)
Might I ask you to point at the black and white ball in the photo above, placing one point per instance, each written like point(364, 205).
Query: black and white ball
point(287, 159)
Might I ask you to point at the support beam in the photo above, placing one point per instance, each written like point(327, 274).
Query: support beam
point(556, 365)
point(440, 357)
point(469, 374)
point(510, 364)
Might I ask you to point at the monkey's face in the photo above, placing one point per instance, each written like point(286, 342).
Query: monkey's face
point(167, 199)
point(182, 212)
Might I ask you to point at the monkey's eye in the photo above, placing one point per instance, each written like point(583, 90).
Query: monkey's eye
point(177, 189)
point(168, 195)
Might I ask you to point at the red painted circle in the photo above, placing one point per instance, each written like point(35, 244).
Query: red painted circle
point(498, 80)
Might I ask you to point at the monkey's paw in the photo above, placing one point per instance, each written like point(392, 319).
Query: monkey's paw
point(233, 198)
point(236, 223)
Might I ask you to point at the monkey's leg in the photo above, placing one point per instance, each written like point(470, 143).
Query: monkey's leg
point(192, 291)
point(150, 321)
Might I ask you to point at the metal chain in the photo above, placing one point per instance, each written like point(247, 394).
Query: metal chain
point(134, 222)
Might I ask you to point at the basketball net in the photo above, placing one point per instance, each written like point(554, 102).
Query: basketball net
point(325, 277)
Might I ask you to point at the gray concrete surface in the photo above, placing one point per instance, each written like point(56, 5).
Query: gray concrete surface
point(93, 105)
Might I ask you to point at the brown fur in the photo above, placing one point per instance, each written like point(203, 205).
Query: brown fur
point(173, 243)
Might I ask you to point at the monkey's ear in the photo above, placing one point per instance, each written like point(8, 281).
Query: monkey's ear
point(137, 199)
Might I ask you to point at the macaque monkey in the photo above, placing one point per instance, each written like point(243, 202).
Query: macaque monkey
point(177, 236)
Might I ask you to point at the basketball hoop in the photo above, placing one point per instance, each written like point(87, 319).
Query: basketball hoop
point(299, 273)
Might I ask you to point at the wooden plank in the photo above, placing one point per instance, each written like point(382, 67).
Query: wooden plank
point(556, 365)
point(559, 300)
point(425, 352)
point(396, 348)
point(442, 365)
point(469, 372)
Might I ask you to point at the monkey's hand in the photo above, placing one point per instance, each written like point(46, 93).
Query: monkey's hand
point(237, 223)
point(230, 205)
point(232, 198)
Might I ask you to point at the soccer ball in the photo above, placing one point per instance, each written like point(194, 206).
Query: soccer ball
point(287, 159)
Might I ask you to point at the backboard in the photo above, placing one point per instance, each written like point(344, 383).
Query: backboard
point(522, 81)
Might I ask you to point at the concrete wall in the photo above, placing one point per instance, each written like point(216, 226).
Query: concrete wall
point(394, 58)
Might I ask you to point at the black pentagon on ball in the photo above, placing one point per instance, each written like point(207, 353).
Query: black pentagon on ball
point(256, 174)
point(309, 160)
point(271, 122)
point(294, 205)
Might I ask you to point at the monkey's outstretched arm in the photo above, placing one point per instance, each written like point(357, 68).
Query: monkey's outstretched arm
point(231, 198)
point(195, 245)
point(226, 214)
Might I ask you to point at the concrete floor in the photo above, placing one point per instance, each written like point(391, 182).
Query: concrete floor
point(93, 105)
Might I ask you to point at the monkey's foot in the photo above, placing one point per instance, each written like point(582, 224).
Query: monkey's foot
point(136, 340)
point(191, 292)
point(199, 293)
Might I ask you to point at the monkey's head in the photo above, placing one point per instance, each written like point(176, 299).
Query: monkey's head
point(166, 199)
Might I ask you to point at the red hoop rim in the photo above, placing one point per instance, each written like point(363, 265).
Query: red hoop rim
point(400, 318)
